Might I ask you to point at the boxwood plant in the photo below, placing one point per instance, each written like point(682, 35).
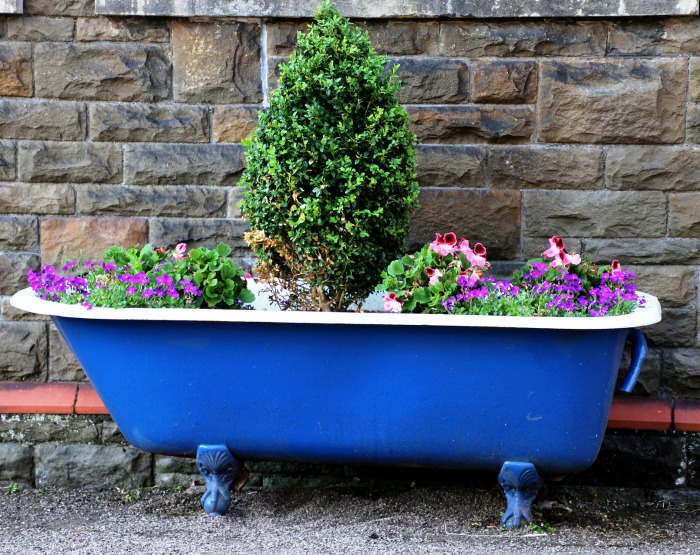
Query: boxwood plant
point(330, 178)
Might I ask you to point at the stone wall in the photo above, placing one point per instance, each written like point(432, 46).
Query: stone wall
point(127, 129)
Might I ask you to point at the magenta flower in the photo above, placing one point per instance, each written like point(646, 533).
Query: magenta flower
point(392, 303)
point(433, 275)
point(556, 245)
point(615, 267)
point(477, 256)
point(444, 244)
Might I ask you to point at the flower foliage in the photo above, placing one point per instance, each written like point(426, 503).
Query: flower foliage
point(330, 174)
point(148, 278)
point(448, 276)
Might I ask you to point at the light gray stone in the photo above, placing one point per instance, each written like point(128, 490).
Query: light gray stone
point(169, 123)
point(673, 285)
point(522, 38)
point(655, 37)
point(34, 198)
point(24, 348)
point(98, 466)
point(653, 168)
point(63, 366)
point(216, 63)
point(450, 165)
point(472, 124)
point(42, 428)
point(694, 79)
point(42, 120)
point(13, 272)
point(165, 164)
point(571, 8)
point(102, 71)
point(644, 250)
point(11, 6)
point(235, 197)
point(594, 214)
point(38, 29)
point(19, 233)
point(612, 101)
point(196, 202)
point(8, 169)
point(171, 472)
point(545, 167)
point(16, 463)
point(59, 7)
point(681, 373)
point(121, 30)
point(12, 314)
point(678, 328)
point(692, 124)
point(488, 217)
point(58, 162)
point(432, 80)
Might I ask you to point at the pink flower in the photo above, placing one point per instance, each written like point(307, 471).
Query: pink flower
point(247, 276)
point(615, 267)
point(444, 245)
point(478, 255)
point(179, 251)
point(556, 245)
point(392, 303)
point(433, 275)
point(463, 247)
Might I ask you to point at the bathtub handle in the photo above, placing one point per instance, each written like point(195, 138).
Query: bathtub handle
point(639, 352)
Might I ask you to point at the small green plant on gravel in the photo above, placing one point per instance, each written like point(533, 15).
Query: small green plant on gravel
point(148, 278)
point(330, 177)
point(541, 527)
point(12, 486)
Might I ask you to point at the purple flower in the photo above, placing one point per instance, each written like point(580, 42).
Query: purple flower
point(131, 290)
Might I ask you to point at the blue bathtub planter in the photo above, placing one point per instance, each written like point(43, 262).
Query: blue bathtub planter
point(525, 396)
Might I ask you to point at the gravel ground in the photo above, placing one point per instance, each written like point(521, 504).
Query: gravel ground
point(442, 519)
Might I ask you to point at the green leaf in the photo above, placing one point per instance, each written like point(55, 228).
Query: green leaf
point(247, 296)
point(223, 249)
point(395, 268)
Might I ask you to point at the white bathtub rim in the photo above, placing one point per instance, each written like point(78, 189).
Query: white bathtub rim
point(645, 315)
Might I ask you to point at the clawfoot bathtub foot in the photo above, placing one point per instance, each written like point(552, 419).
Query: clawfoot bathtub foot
point(219, 469)
point(520, 482)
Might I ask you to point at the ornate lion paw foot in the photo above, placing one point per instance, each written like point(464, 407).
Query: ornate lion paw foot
point(520, 482)
point(219, 469)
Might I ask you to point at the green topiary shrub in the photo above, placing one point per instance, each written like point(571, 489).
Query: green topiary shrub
point(330, 177)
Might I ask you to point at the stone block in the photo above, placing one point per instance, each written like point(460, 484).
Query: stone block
point(102, 71)
point(677, 328)
point(545, 167)
point(12, 314)
point(653, 168)
point(63, 366)
point(488, 217)
point(8, 167)
point(472, 124)
point(571, 8)
point(235, 197)
point(654, 37)
point(171, 472)
point(98, 466)
point(34, 198)
point(168, 123)
point(692, 124)
point(41, 428)
point(126, 200)
point(673, 285)
point(594, 214)
point(273, 71)
point(504, 82)
point(681, 373)
point(59, 7)
point(612, 101)
point(19, 233)
point(684, 215)
point(11, 6)
point(16, 462)
point(694, 80)
point(645, 251)
point(432, 80)
point(403, 38)
point(177, 164)
point(88, 237)
point(282, 36)
point(15, 69)
point(635, 460)
point(201, 233)
point(521, 38)
point(42, 120)
point(39, 29)
point(232, 124)
point(216, 63)
point(450, 165)
point(122, 30)
point(24, 350)
point(109, 432)
point(58, 162)
point(13, 271)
